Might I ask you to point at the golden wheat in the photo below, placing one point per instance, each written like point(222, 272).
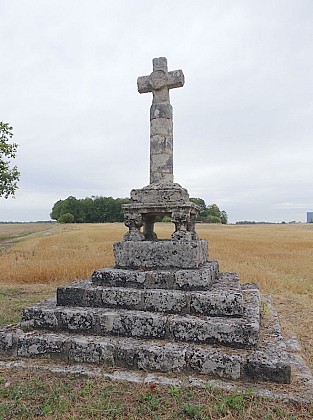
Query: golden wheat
point(276, 257)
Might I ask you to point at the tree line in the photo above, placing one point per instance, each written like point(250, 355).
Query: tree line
point(9, 175)
point(97, 209)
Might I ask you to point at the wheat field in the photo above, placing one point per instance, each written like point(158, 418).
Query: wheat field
point(279, 258)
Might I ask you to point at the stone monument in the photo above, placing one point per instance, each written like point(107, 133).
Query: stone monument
point(164, 306)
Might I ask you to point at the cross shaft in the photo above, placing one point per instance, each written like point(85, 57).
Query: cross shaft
point(161, 118)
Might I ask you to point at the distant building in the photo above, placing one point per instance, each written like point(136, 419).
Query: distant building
point(309, 217)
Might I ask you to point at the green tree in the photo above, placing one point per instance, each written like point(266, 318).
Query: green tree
point(8, 175)
point(211, 213)
point(203, 213)
point(224, 217)
point(213, 210)
point(66, 218)
point(90, 210)
point(213, 219)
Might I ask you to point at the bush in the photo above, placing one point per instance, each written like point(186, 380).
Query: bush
point(66, 218)
point(214, 219)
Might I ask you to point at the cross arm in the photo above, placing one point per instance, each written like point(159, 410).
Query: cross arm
point(176, 79)
point(143, 84)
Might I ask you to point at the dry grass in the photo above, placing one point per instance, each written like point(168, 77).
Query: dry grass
point(71, 252)
point(277, 257)
point(34, 395)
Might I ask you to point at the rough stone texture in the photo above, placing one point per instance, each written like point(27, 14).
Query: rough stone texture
point(212, 361)
point(269, 361)
point(161, 118)
point(238, 332)
point(160, 254)
point(160, 194)
point(166, 358)
point(223, 299)
point(265, 364)
point(187, 279)
point(8, 340)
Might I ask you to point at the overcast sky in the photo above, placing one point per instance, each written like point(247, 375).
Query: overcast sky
point(243, 122)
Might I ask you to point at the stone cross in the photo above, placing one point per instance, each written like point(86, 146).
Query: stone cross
point(161, 118)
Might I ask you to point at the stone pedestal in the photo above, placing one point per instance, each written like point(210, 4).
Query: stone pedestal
point(160, 254)
point(163, 306)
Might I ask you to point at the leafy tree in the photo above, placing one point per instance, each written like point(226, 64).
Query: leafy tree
point(8, 175)
point(203, 214)
point(224, 217)
point(90, 210)
point(213, 210)
point(211, 213)
point(213, 219)
point(199, 201)
point(66, 218)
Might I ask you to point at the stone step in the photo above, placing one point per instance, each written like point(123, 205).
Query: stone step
point(183, 279)
point(262, 364)
point(161, 254)
point(237, 332)
point(224, 299)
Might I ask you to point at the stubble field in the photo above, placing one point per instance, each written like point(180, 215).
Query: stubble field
point(279, 258)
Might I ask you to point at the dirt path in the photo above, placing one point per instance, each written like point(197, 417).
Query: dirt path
point(6, 243)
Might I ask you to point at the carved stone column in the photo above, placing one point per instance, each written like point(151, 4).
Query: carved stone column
point(192, 227)
point(148, 228)
point(133, 220)
point(181, 219)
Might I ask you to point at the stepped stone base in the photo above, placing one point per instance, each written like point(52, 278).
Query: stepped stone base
point(223, 299)
point(186, 279)
point(269, 361)
point(238, 332)
point(160, 254)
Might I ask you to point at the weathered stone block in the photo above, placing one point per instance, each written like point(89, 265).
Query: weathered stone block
point(119, 277)
point(161, 127)
point(224, 298)
point(227, 304)
point(160, 254)
point(69, 295)
point(161, 144)
point(189, 279)
point(267, 366)
point(90, 350)
point(215, 362)
point(132, 324)
point(76, 319)
point(122, 298)
point(42, 345)
point(126, 352)
point(34, 317)
point(161, 110)
point(200, 279)
point(167, 358)
point(165, 301)
point(239, 332)
point(225, 331)
point(8, 340)
point(160, 193)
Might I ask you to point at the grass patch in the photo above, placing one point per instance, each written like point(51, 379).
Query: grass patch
point(14, 298)
point(25, 395)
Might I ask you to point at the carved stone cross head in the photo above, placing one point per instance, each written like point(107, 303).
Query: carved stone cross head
point(160, 81)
